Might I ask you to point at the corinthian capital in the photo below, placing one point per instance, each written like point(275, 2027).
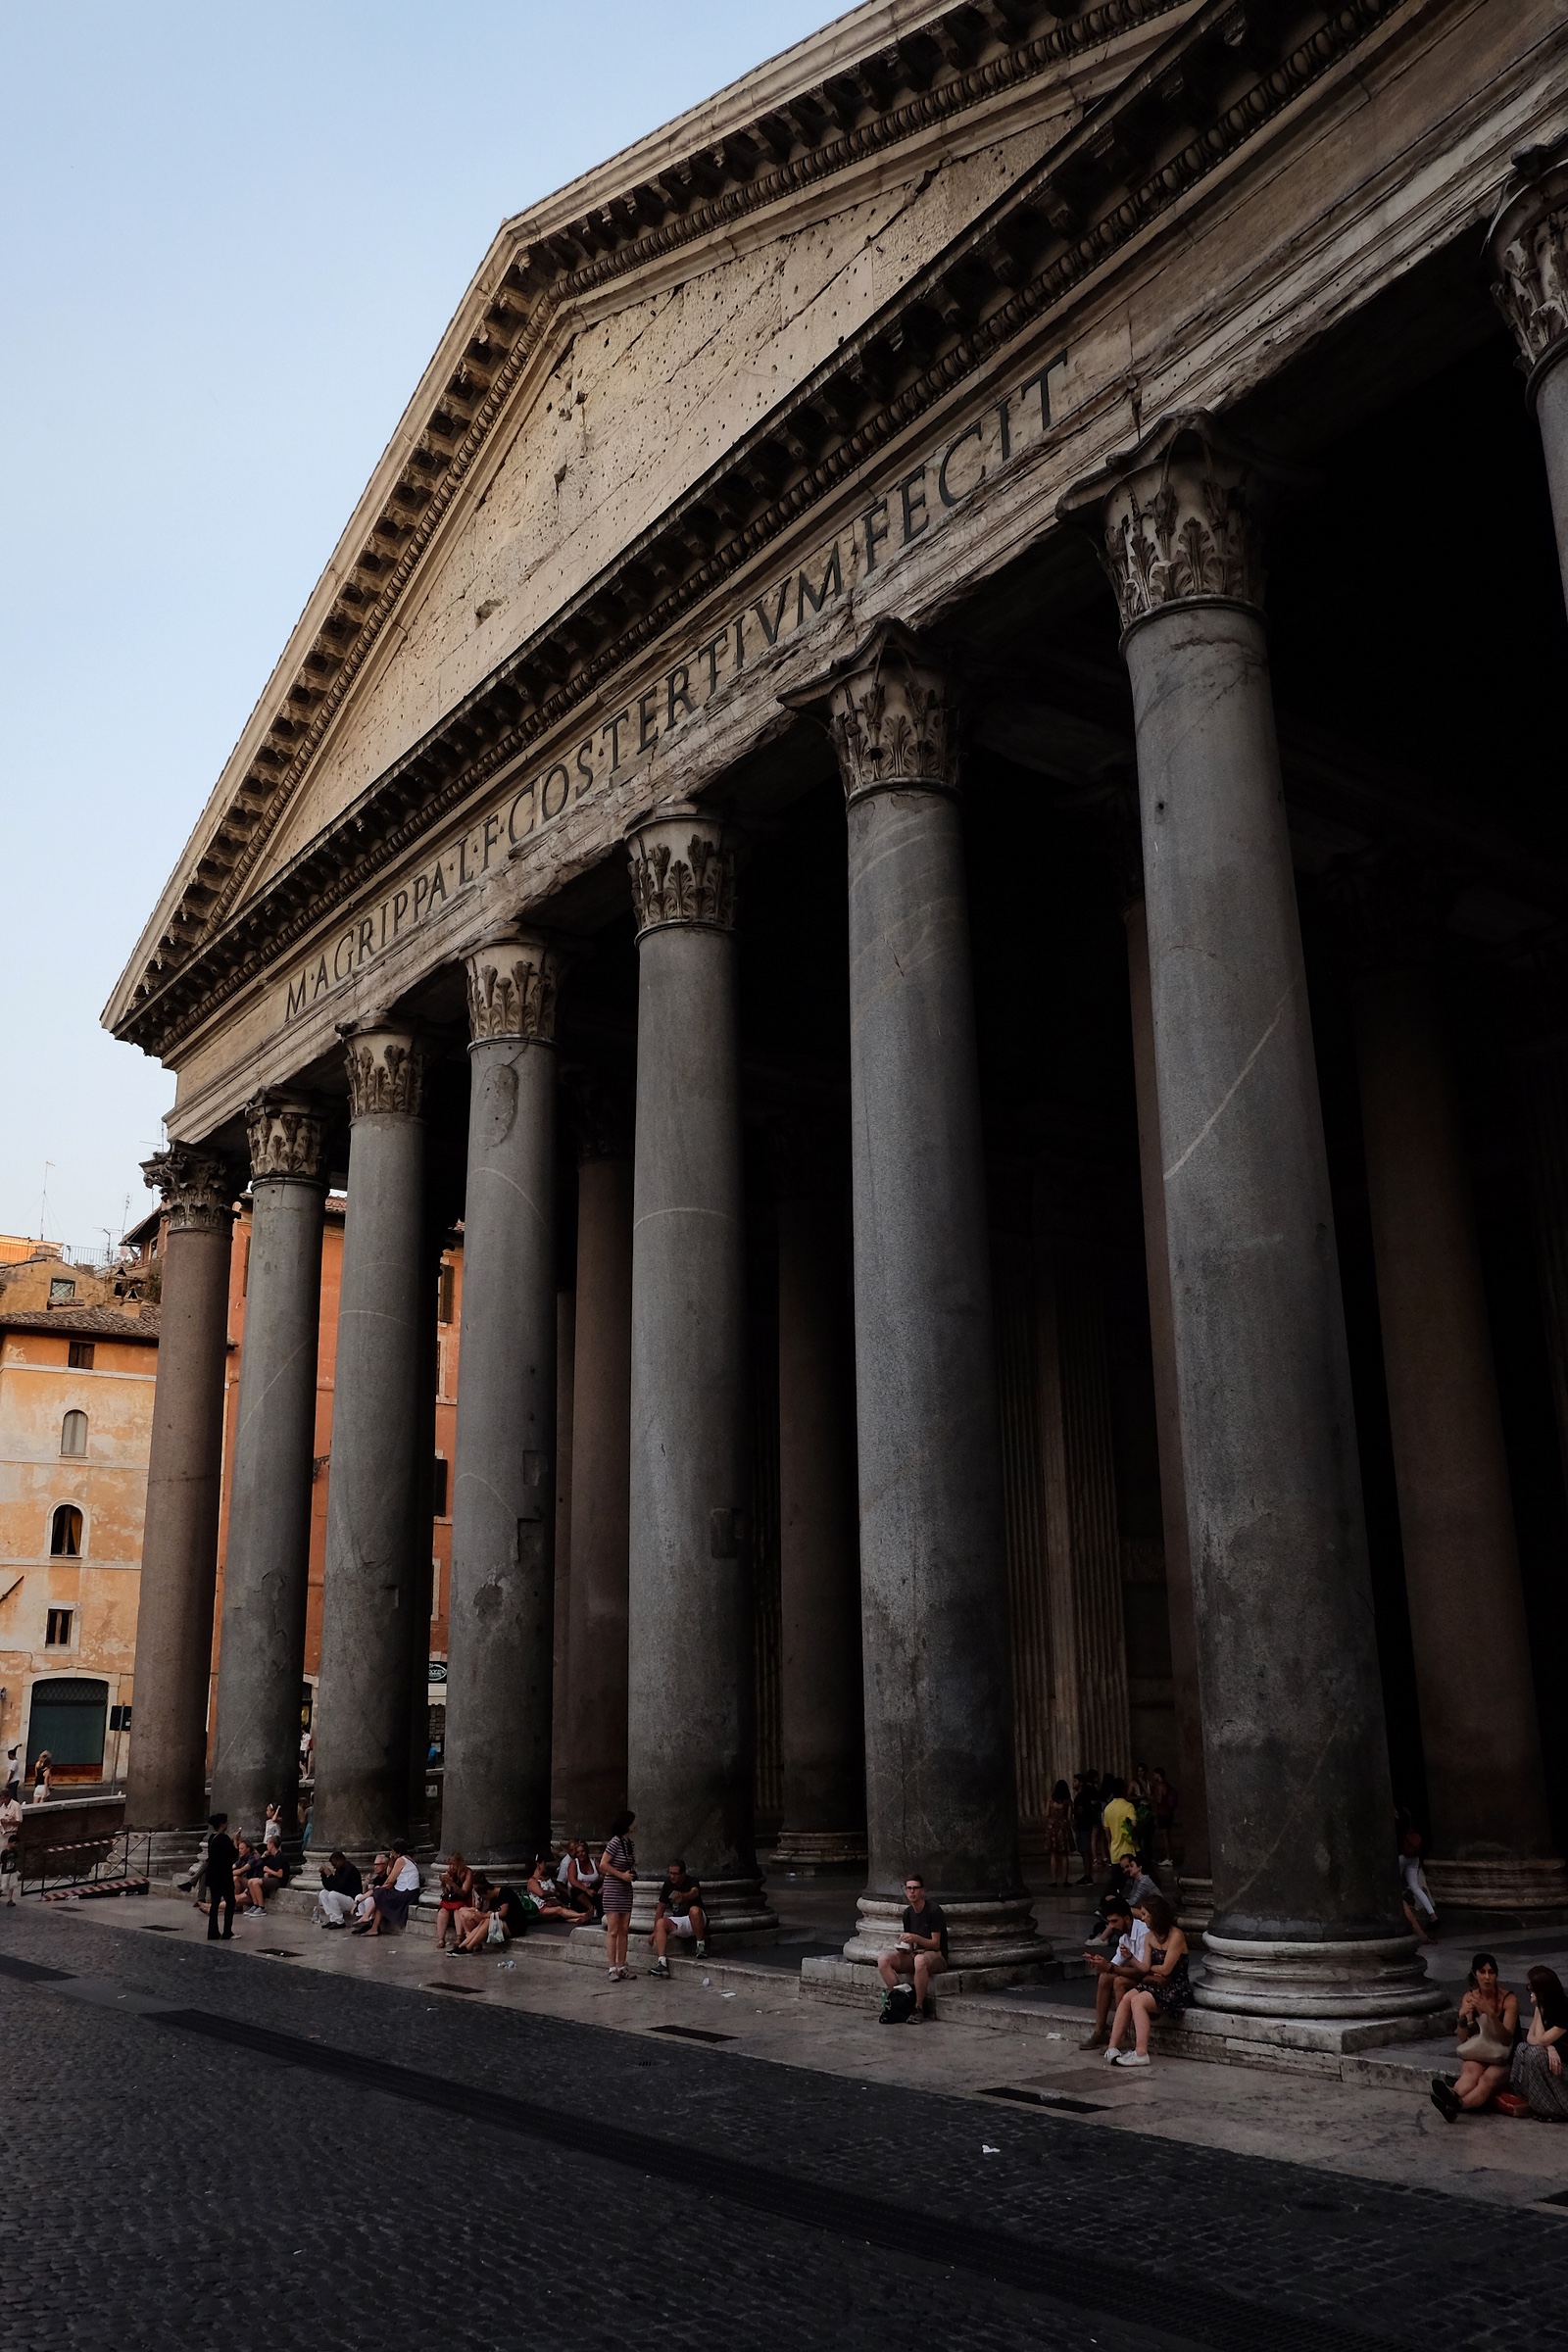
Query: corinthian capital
point(891, 711)
point(1526, 247)
point(682, 870)
point(386, 1071)
point(513, 981)
point(1175, 520)
point(197, 1188)
point(285, 1139)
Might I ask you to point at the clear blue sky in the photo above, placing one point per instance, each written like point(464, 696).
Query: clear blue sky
point(231, 238)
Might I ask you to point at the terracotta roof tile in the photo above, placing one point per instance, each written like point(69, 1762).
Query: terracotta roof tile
point(86, 1322)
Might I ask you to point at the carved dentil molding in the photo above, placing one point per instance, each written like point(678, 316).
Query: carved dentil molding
point(1528, 250)
point(386, 1073)
point(197, 1191)
point(682, 871)
point(285, 1136)
point(513, 981)
point(891, 711)
point(1175, 520)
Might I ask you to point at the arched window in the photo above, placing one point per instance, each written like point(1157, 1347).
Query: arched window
point(73, 1434)
point(65, 1533)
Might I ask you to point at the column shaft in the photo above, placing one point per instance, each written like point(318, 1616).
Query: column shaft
point(261, 1663)
point(1191, 1790)
point(497, 1801)
point(821, 1690)
point(692, 1706)
point(369, 1593)
point(601, 1469)
point(940, 1793)
point(167, 1777)
point(561, 1667)
point(1528, 251)
point(1306, 1917)
point(1461, 1564)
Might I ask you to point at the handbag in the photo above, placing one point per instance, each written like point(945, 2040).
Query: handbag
point(1489, 2044)
point(496, 1932)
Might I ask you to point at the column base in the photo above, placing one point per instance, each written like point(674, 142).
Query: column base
point(738, 1913)
point(1525, 1889)
point(1381, 1977)
point(985, 1933)
point(804, 1852)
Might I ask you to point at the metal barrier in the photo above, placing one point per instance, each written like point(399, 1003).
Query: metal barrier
point(114, 1862)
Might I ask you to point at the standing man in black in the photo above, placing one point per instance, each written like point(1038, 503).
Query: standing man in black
point(222, 1856)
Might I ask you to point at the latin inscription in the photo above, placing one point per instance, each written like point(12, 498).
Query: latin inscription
point(918, 501)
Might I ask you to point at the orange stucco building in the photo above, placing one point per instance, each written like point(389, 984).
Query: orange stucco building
point(79, 1359)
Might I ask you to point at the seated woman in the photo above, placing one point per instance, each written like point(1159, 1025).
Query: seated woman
point(541, 1888)
point(456, 1894)
point(1539, 2068)
point(1489, 2022)
point(1163, 1987)
point(579, 1880)
point(474, 1919)
point(398, 1887)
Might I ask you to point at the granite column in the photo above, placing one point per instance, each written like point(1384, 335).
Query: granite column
point(496, 1805)
point(374, 1532)
point(1527, 248)
point(1490, 1839)
point(939, 1763)
point(692, 1706)
point(1306, 1920)
point(167, 1779)
point(595, 1750)
point(261, 1662)
point(822, 1699)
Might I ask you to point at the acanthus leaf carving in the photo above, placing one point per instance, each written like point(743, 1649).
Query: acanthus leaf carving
point(386, 1070)
point(513, 985)
point(1527, 249)
point(198, 1191)
point(1177, 520)
point(682, 871)
point(285, 1136)
point(893, 713)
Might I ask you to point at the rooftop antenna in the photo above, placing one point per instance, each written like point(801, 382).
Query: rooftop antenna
point(43, 1206)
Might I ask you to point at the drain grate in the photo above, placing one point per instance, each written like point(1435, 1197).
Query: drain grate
point(1056, 2102)
point(275, 1951)
point(1560, 2198)
point(691, 2033)
point(1219, 2322)
point(152, 1927)
point(475, 1992)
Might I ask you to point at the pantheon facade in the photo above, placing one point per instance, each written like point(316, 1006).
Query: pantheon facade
point(925, 794)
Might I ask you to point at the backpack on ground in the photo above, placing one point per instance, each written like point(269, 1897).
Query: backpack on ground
point(898, 2005)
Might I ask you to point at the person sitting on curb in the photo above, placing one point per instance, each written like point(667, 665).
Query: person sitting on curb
point(1160, 1985)
point(1129, 1883)
point(1487, 2030)
point(546, 1896)
point(341, 1884)
point(579, 1882)
point(678, 1912)
point(398, 1887)
point(456, 1894)
point(921, 1951)
point(275, 1870)
point(1115, 1958)
point(1540, 2074)
point(249, 1888)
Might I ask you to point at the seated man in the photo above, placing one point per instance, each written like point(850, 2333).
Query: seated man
point(341, 1882)
point(249, 1876)
point(678, 1912)
point(1115, 1958)
point(921, 1951)
point(275, 1870)
point(1130, 1883)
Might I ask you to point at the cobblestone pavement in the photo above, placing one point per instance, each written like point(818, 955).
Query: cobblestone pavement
point(163, 2187)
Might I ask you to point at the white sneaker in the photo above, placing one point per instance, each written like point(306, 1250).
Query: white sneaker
point(1131, 2058)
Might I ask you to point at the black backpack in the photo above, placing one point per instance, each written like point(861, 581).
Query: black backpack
point(899, 2007)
